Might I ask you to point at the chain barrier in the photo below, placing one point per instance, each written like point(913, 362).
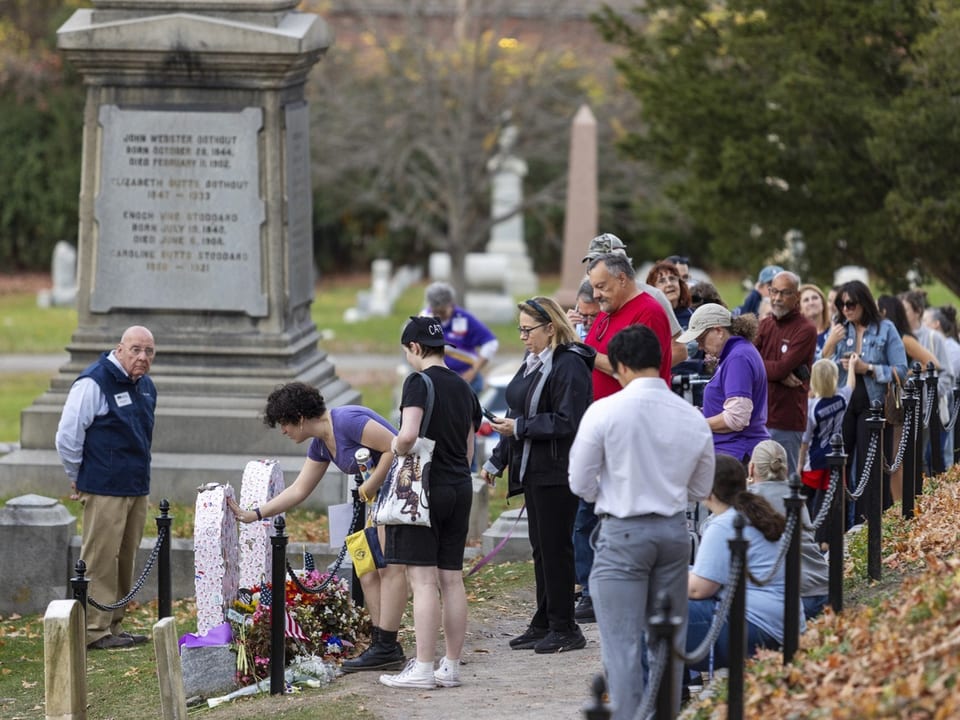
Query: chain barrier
point(927, 405)
point(824, 510)
point(161, 537)
point(904, 437)
point(719, 617)
point(660, 662)
point(953, 416)
point(867, 467)
point(357, 508)
point(784, 546)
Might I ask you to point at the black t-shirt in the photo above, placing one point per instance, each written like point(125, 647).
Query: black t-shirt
point(455, 410)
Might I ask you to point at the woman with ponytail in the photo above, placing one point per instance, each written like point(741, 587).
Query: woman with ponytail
point(710, 579)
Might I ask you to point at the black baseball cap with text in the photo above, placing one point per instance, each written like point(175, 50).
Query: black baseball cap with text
point(426, 331)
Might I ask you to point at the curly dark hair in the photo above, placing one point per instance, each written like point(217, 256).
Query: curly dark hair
point(730, 487)
point(289, 403)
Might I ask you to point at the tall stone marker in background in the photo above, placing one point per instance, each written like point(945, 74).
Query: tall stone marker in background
point(580, 224)
point(195, 220)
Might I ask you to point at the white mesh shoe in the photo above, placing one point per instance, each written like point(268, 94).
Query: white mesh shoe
point(447, 673)
point(412, 676)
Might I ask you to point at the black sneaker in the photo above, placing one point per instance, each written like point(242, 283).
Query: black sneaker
point(584, 610)
point(556, 641)
point(376, 657)
point(529, 639)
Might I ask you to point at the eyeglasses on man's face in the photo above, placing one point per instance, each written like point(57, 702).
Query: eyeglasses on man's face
point(777, 292)
point(525, 331)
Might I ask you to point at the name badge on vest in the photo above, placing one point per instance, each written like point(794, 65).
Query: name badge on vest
point(123, 399)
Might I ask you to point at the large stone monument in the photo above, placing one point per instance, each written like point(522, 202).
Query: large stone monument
point(195, 220)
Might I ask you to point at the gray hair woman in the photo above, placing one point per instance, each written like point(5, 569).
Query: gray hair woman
point(766, 476)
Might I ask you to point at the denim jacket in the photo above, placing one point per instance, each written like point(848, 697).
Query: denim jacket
point(882, 347)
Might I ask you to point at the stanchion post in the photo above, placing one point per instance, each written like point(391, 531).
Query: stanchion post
point(278, 605)
point(360, 519)
point(837, 460)
point(917, 371)
point(793, 504)
point(874, 491)
point(597, 709)
point(911, 406)
point(936, 453)
point(80, 584)
point(738, 624)
point(164, 585)
point(663, 629)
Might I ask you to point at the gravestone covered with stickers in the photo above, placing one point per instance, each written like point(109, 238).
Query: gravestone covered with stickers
point(262, 481)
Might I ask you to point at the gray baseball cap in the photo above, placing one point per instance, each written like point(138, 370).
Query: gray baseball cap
point(604, 244)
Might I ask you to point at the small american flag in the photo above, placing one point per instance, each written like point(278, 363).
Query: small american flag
point(266, 596)
point(293, 629)
point(308, 564)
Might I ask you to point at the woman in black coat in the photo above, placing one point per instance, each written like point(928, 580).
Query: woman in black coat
point(546, 399)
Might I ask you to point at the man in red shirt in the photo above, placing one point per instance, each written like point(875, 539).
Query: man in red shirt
point(787, 342)
point(621, 304)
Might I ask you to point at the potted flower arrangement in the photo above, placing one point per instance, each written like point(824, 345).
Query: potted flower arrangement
point(318, 624)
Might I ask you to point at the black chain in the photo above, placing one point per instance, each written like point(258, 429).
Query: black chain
point(824, 510)
point(867, 467)
point(161, 537)
point(357, 508)
point(719, 617)
point(927, 405)
point(953, 417)
point(781, 551)
point(660, 662)
point(904, 436)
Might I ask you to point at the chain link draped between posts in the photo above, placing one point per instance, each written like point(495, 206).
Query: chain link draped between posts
point(927, 406)
point(908, 424)
point(161, 538)
point(660, 666)
point(867, 467)
point(357, 509)
point(953, 415)
point(782, 548)
point(825, 506)
point(719, 617)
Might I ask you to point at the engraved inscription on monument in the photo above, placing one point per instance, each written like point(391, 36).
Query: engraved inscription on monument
point(299, 197)
point(179, 211)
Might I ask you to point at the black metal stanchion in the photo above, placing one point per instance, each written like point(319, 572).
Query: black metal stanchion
point(80, 584)
point(597, 709)
point(917, 372)
point(737, 624)
point(837, 462)
point(911, 406)
point(278, 605)
point(164, 585)
point(874, 492)
point(935, 426)
point(663, 629)
point(793, 504)
point(359, 521)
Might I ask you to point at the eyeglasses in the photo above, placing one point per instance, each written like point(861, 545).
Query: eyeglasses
point(679, 259)
point(525, 331)
point(849, 304)
point(585, 315)
point(136, 350)
point(668, 280)
point(776, 292)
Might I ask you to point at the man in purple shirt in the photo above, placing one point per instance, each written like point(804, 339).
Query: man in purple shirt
point(474, 345)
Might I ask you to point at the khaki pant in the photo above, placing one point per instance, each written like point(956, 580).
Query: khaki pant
point(112, 530)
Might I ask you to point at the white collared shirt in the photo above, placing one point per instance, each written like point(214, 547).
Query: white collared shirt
point(642, 450)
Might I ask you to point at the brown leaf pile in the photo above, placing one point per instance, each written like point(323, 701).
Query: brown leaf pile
point(899, 659)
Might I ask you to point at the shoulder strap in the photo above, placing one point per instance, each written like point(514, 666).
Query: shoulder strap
point(428, 410)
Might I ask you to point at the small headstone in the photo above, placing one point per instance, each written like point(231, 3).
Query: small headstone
point(208, 671)
point(64, 272)
point(479, 510)
point(64, 660)
point(380, 304)
point(35, 533)
point(173, 702)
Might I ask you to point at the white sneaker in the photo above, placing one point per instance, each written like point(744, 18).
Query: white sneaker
point(412, 676)
point(447, 673)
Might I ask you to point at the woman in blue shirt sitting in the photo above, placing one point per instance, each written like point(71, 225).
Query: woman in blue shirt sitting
point(710, 579)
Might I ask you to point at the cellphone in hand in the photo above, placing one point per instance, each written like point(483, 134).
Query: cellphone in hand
point(487, 414)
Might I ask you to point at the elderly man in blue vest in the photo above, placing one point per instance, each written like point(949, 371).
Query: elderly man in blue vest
point(104, 440)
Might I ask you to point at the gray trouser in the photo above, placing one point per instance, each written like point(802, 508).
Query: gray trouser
point(635, 558)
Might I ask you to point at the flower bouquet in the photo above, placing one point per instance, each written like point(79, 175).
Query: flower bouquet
point(320, 625)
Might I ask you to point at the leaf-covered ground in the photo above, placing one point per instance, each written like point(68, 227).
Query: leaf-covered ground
point(895, 656)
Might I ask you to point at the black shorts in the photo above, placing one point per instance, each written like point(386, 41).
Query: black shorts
point(442, 543)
